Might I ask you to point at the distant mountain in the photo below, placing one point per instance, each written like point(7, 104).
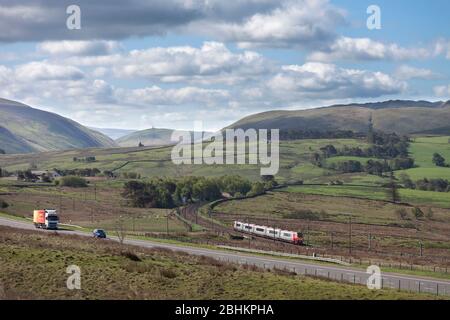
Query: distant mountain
point(149, 138)
point(114, 133)
point(24, 129)
point(404, 117)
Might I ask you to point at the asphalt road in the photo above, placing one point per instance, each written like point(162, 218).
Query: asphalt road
point(338, 273)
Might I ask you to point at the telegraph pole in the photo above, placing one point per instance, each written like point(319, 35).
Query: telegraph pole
point(167, 224)
point(350, 235)
point(332, 240)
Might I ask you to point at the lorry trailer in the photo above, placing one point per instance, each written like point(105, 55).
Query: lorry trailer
point(46, 219)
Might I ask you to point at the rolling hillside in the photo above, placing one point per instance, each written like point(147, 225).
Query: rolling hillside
point(405, 117)
point(113, 133)
point(149, 138)
point(24, 129)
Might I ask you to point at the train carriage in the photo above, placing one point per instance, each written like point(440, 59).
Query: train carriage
point(269, 232)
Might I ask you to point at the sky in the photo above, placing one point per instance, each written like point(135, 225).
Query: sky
point(168, 63)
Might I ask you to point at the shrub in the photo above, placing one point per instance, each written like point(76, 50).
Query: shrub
point(3, 204)
point(73, 181)
point(131, 255)
point(429, 214)
point(418, 213)
point(168, 273)
point(402, 213)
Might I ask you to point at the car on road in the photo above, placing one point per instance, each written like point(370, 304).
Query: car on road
point(99, 234)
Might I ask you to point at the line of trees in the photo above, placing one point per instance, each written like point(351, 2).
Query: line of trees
point(437, 185)
point(316, 134)
point(373, 167)
point(85, 159)
point(86, 172)
point(2, 151)
point(391, 147)
point(169, 193)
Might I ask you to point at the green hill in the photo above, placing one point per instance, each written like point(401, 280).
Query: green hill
point(24, 129)
point(390, 116)
point(149, 138)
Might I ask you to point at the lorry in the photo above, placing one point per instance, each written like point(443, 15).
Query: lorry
point(46, 219)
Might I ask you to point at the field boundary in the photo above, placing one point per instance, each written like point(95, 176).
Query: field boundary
point(289, 255)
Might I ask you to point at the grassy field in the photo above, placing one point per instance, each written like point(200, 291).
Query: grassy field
point(33, 266)
point(98, 206)
point(418, 197)
point(422, 150)
point(149, 162)
point(324, 220)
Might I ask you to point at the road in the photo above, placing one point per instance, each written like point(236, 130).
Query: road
point(337, 273)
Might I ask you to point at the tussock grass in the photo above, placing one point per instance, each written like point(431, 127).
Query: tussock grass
point(33, 266)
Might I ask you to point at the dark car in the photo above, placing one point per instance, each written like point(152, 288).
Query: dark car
point(99, 233)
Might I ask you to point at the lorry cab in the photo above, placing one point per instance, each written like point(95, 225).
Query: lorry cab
point(46, 219)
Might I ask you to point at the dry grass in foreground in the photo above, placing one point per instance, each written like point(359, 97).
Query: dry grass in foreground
point(33, 266)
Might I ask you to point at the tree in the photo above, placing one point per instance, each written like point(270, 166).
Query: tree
point(3, 204)
point(392, 190)
point(2, 151)
point(370, 133)
point(438, 160)
point(257, 189)
point(121, 231)
point(402, 213)
point(418, 213)
point(73, 181)
point(140, 145)
point(429, 214)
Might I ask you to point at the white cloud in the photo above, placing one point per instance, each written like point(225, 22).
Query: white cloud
point(442, 91)
point(157, 96)
point(40, 71)
point(78, 48)
point(315, 80)
point(345, 48)
point(442, 47)
point(305, 23)
point(406, 72)
point(213, 62)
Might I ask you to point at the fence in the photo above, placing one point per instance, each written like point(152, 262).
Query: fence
point(388, 281)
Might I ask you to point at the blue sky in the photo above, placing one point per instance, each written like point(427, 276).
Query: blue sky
point(168, 63)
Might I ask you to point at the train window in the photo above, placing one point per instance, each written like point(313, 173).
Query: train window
point(286, 234)
point(259, 230)
point(248, 227)
point(238, 224)
point(271, 231)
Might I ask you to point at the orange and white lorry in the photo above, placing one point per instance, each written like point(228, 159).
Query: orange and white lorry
point(46, 219)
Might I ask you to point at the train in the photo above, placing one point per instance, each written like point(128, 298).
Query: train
point(269, 232)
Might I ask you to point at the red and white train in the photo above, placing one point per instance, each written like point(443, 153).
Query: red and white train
point(269, 232)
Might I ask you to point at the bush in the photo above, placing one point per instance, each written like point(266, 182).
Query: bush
point(73, 181)
point(402, 213)
point(430, 213)
point(168, 273)
point(3, 204)
point(418, 213)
